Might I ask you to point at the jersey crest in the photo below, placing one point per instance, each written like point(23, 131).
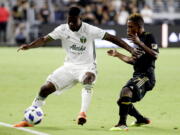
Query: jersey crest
point(83, 39)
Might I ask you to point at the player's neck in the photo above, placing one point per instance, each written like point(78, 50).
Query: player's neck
point(78, 28)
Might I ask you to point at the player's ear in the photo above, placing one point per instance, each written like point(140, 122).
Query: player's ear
point(140, 26)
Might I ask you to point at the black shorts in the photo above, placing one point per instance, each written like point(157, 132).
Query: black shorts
point(139, 85)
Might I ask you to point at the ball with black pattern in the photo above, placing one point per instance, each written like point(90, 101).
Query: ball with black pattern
point(33, 115)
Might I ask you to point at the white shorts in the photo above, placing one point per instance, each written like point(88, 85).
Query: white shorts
point(68, 75)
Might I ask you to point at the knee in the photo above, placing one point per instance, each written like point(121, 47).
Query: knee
point(47, 89)
point(89, 78)
point(125, 97)
point(126, 92)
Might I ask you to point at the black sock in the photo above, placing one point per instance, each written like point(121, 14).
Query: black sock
point(134, 112)
point(124, 104)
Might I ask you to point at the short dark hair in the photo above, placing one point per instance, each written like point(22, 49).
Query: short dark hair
point(137, 18)
point(74, 11)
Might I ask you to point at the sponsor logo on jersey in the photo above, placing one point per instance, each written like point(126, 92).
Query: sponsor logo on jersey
point(83, 39)
point(77, 48)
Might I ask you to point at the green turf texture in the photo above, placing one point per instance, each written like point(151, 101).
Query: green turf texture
point(22, 73)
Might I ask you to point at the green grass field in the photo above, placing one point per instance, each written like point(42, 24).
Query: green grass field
point(22, 74)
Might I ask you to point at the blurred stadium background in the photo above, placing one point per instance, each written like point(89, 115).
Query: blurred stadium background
point(22, 21)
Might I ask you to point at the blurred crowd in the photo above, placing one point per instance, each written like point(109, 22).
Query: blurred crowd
point(20, 19)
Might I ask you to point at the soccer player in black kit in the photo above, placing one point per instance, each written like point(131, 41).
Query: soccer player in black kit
point(143, 79)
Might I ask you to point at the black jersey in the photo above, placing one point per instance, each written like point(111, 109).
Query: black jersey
point(146, 63)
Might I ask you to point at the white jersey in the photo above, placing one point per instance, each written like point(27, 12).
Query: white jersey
point(79, 46)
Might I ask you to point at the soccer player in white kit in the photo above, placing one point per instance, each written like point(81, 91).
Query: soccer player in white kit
point(80, 64)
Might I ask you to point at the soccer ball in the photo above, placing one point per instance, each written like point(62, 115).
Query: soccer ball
point(33, 115)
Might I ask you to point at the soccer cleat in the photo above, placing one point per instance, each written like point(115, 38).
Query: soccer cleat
point(23, 124)
point(81, 118)
point(119, 128)
point(141, 122)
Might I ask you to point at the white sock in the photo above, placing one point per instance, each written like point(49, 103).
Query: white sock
point(38, 101)
point(86, 99)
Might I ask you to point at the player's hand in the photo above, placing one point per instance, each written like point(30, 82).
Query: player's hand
point(23, 47)
point(137, 52)
point(134, 38)
point(113, 52)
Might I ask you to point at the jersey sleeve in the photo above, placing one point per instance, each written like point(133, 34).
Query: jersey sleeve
point(152, 43)
point(56, 33)
point(97, 33)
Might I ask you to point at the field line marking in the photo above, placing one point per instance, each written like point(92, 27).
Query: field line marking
point(23, 129)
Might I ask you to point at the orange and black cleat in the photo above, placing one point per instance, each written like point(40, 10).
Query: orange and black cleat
point(81, 118)
point(23, 124)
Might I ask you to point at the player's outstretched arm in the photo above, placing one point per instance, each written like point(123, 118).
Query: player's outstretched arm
point(138, 42)
point(127, 59)
point(37, 43)
point(121, 43)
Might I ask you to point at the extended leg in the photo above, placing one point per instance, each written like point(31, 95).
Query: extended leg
point(86, 97)
point(45, 90)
